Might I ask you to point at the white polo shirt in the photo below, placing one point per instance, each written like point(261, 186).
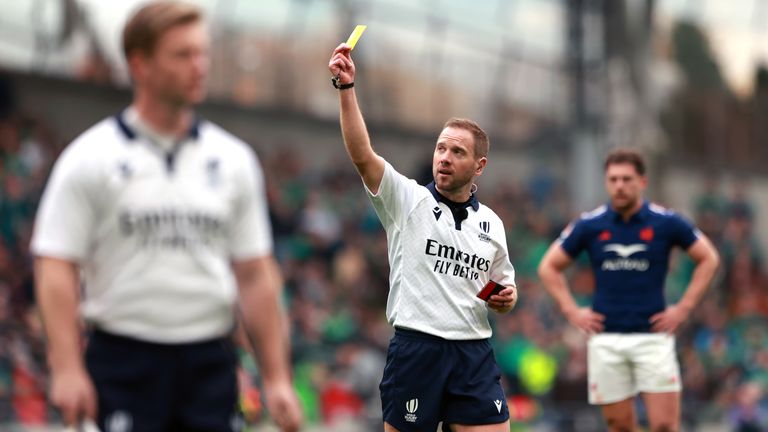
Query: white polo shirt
point(438, 266)
point(155, 229)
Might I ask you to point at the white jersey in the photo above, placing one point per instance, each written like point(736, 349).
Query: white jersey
point(437, 266)
point(155, 231)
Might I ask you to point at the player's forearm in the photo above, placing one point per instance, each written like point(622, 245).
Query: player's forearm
point(700, 280)
point(57, 291)
point(357, 141)
point(268, 331)
point(555, 284)
point(265, 322)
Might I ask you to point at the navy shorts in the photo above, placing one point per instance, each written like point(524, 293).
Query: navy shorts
point(152, 387)
point(428, 379)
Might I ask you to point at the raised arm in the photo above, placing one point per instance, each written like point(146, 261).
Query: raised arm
point(551, 274)
point(369, 165)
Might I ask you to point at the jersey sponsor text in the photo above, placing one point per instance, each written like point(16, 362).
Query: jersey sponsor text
point(463, 265)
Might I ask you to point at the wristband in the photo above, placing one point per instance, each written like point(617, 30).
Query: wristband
point(340, 86)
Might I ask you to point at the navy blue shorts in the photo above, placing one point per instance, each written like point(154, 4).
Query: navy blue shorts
point(152, 387)
point(428, 379)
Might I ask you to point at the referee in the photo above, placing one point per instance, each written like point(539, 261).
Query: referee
point(443, 247)
point(162, 218)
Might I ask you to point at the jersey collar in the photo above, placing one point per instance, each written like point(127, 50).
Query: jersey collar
point(130, 133)
point(471, 202)
point(641, 215)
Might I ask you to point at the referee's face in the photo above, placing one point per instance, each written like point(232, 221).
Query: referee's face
point(454, 165)
point(176, 71)
point(624, 186)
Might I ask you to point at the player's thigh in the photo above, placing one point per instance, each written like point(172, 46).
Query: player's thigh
point(663, 411)
point(207, 387)
point(656, 367)
point(620, 416)
point(412, 385)
point(133, 383)
point(474, 395)
point(609, 371)
point(389, 428)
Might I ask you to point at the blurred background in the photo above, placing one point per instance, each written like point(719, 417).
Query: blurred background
point(556, 83)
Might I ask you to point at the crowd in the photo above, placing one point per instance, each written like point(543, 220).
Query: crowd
point(332, 250)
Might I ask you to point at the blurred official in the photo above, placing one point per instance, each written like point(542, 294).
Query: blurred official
point(161, 217)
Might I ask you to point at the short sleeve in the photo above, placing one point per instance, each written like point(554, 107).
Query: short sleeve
point(395, 198)
point(502, 270)
point(65, 219)
point(683, 233)
point(251, 233)
point(573, 239)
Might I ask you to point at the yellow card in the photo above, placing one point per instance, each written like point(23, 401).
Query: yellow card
point(355, 36)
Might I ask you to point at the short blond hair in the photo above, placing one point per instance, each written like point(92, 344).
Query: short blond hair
point(144, 28)
point(482, 143)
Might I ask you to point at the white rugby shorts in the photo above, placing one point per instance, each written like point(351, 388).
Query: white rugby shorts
point(621, 365)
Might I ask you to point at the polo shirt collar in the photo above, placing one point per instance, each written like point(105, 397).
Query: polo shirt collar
point(641, 215)
point(471, 202)
point(131, 133)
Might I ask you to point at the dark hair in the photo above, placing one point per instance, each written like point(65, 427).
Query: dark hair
point(144, 28)
point(482, 144)
point(625, 156)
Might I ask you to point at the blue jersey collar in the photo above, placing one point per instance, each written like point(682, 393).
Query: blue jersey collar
point(471, 202)
point(130, 133)
point(640, 216)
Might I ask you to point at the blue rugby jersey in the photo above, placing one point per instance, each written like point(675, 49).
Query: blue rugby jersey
point(629, 260)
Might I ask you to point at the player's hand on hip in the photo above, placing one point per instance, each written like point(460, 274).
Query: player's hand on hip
point(73, 393)
point(668, 320)
point(341, 64)
point(504, 301)
point(587, 320)
point(284, 407)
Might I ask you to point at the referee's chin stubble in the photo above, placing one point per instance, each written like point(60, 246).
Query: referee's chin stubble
point(451, 182)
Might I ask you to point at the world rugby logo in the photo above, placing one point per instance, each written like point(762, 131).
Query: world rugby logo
point(411, 406)
point(485, 226)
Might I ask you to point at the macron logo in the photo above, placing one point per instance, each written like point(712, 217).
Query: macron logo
point(437, 212)
point(498, 405)
point(625, 251)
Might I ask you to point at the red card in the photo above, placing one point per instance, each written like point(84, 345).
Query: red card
point(490, 289)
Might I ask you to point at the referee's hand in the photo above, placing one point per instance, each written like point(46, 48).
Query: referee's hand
point(283, 406)
point(73, 393)
point(504, 301)
point(341, 64)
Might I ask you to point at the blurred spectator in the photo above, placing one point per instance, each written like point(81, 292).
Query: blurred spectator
point(750, 413)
